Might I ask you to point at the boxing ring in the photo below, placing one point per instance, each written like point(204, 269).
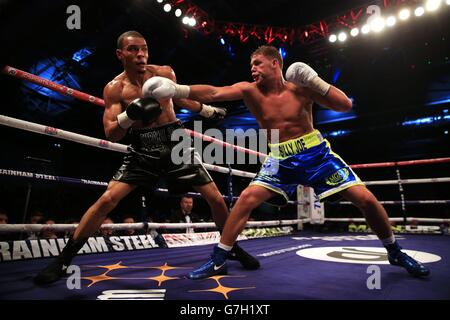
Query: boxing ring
point(296, 265)
point(160, 274)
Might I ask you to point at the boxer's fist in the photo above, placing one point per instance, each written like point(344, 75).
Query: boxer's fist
point(303, 75)
point(144, 109)
point(213, 113)
point(162, 88)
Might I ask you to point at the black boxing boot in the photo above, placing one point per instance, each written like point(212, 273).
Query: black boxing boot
point(57, 268)
point(248, 262)
point(238, 254)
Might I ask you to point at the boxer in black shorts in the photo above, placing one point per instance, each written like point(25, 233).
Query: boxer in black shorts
point(149, 123)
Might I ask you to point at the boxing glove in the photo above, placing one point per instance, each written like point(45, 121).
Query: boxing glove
point(162, 88)
point(144, 109)
point(212, 113)
point(303, 75)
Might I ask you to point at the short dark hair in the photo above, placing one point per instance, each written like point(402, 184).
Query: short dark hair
point(186, 196)
point(271, 52)
point(132, 33)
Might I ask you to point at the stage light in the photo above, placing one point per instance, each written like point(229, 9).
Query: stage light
point(342, 36)
point(419, 11)
point(404, 14)
point(377, 24)
point(332, 38)
point(391, 21)
point(433, 5)
point(354, 32)
point(178, 13)
point(167, 7)
point(192, 22)
point(365, 29)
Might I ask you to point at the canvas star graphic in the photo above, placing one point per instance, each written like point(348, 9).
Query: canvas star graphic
point(99, 278)
point(105, 277)
point(221, 288)
point(162, 277)
point(111, 267)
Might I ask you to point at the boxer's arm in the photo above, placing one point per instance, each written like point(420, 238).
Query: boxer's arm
point(113, 107)
point(207, 93)
point(198, 106)
point(167, 72)
point(335, 99)
point(319, 90)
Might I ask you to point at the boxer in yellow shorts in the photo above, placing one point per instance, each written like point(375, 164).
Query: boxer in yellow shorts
point(303, 156)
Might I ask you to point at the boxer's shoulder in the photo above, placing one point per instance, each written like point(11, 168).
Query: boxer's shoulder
point(115, 87)
point(117, 83)
point(245, 85)
point(161, 71)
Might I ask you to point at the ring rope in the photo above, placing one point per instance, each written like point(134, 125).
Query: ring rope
point(47, 177)
point(10, 228)
point(95, 142)
point(40, 176)
point(390, 219)
point(400, 202)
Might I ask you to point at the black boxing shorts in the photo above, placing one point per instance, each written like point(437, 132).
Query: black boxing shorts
point(151, 159)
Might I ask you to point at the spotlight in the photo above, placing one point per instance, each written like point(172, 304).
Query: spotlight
point(185, 20)
point(354, 32)
point(167, 7)
point(159, 1)
point(332, 38)
point(404, 14)
point(342, 36)
point(390, 21)
point(365, 29)
point(377, 24)
point(192, 22)
point(178, 12)
point(419, 11)
point(433, 5)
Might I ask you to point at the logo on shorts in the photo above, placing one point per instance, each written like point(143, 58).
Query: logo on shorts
point(338, 177)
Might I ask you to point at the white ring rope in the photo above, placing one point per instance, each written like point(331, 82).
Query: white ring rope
point(396, 202)
point(39, 176)
point(408, 181)
point(99, 143)
point(390, 219)
point(62, 134)
point(10, 228)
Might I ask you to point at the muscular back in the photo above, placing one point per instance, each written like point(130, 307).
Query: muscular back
point(121, 91)
point(289, 110)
